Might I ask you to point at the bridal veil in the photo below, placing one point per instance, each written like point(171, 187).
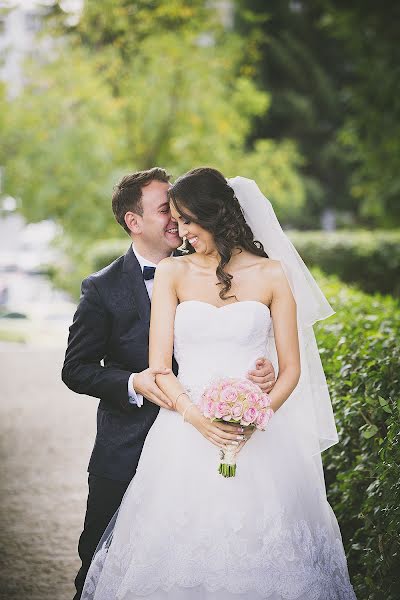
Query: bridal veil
point(310, 404)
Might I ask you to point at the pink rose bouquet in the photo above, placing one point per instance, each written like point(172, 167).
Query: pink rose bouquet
point(236, 401)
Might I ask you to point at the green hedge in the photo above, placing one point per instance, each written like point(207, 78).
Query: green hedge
point(360, 351)
point(370, 259)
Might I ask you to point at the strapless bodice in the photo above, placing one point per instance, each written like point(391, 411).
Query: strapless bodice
point(212, 342)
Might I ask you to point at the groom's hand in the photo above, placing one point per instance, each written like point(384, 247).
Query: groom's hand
point(263, 375)
point(145, 384)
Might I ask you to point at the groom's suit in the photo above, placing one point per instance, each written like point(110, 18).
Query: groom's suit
point(111, 324)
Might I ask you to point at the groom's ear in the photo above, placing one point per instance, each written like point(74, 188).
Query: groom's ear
point(133, 222)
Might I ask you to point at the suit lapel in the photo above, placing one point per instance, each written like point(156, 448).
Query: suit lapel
point(135, 283)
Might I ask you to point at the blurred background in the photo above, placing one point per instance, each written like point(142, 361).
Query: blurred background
point(303, 97)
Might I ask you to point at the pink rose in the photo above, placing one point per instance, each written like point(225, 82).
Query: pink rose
point(214, 393)
point(252, 398)
point(263, 418)
point(242, 386)
point(237, 411)
point(222, 410)
point(229, 394)
point(224, 383)
point(208, 409)
point(249, 416)
point(269, 413)
point(264, 401)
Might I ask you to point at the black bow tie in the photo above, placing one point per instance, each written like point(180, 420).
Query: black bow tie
point(148, 273)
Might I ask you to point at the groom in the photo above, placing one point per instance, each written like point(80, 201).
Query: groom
point(107, 354)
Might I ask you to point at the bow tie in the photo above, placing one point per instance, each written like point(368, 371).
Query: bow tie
point(148, 273)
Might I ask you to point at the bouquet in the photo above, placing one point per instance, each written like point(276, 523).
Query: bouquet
point(236, 401)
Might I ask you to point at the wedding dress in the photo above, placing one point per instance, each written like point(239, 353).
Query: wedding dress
point(184, 532)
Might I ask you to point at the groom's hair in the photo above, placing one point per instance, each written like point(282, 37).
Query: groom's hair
point(127, 195)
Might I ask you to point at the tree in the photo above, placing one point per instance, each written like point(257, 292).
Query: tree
point(332, 71)
point(370, 135)
point(302, 68)
point(98, 109)
point(58, 137)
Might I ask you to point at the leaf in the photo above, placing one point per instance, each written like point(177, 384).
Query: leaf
point(370, 431)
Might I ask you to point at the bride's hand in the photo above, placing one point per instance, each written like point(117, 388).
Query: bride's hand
point(219, 434)
point(249, 432)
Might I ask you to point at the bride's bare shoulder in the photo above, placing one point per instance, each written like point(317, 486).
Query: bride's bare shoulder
point(173, 265)
point(269, 266)
point(273, 270)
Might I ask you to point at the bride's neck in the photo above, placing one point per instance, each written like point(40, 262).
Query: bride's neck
point(212, 260)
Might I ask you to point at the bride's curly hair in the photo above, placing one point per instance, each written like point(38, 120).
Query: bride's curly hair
point(212, 204)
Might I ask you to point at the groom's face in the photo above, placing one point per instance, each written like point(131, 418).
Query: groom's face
point(157, 226)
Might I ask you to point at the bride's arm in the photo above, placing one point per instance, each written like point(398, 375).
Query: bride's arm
point(161, 341)
point(283, 312)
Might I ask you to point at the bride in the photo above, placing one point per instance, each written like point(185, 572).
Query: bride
point(183, 531)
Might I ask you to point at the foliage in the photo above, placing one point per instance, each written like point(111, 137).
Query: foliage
point(120, 95)
point(302, 68)
point(124, 24)
point(332, 70)
point(58, 137)
point(103, 253)
point(361, 356)
point(368, 32)
point(370, 259)
point(83, 261)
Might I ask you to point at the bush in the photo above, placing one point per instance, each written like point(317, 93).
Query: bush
point(370, 259)
point(103, 253)
point(361, 355)
point(84, 261)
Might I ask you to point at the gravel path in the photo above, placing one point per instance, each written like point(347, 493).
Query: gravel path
point(46, 435)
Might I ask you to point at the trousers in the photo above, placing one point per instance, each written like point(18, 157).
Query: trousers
point(104, 499)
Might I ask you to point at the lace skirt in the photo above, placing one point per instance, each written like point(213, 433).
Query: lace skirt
point(183, 532)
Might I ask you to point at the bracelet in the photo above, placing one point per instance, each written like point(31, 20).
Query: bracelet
point(178, 396)
point(186, 409)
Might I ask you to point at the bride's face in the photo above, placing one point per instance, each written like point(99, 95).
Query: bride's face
point(201, 240)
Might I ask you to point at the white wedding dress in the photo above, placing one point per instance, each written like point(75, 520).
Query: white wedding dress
point(184, 532)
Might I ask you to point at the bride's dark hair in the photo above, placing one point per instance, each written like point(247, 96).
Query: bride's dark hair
point(212, 204)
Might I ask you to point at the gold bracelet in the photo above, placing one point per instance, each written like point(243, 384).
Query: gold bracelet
point(178, 396)
point(186, 409)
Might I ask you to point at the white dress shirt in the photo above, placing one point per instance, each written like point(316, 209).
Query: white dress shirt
point(134, 397)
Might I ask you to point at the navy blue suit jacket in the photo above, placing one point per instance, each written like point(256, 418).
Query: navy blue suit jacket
point(111, 324)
